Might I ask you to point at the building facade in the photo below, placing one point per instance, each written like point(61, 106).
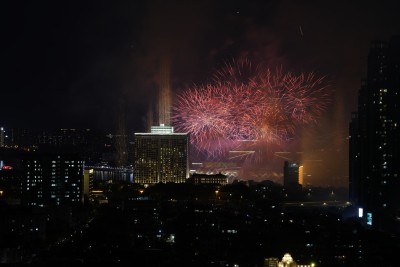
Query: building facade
point(161, 157)
point(52, 180)
point(374, 144)
point(88, 174)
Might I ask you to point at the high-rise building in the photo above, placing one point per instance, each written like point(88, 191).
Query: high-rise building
point(161, 156)
point(374, 144)
point(52, 179)
point(290, 174)
point(2, 136)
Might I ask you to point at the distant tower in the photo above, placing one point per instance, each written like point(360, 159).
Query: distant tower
point(290, 174)
point(374, 178)
point(2, 136)
point(161, 156)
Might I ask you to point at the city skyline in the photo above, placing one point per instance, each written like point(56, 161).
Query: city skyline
point(236, 133)
point(84, 65)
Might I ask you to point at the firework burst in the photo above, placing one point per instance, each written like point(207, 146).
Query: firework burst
point(249, 103)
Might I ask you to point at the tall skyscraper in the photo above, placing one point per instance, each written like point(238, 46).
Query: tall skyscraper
point(374, 146)
point(161, 156)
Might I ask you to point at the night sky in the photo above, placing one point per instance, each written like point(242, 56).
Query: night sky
point(84, 64)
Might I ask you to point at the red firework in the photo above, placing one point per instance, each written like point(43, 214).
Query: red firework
point(247, 103)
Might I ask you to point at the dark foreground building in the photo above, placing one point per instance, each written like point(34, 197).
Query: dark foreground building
point(291, 174)
point(375, 140)
point(52, 179)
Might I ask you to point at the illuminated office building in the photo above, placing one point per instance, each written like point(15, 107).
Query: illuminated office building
point(161, 156)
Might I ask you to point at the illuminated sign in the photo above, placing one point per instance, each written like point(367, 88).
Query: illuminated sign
point(360, 212)
point(5, 167)
point(369, 218)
